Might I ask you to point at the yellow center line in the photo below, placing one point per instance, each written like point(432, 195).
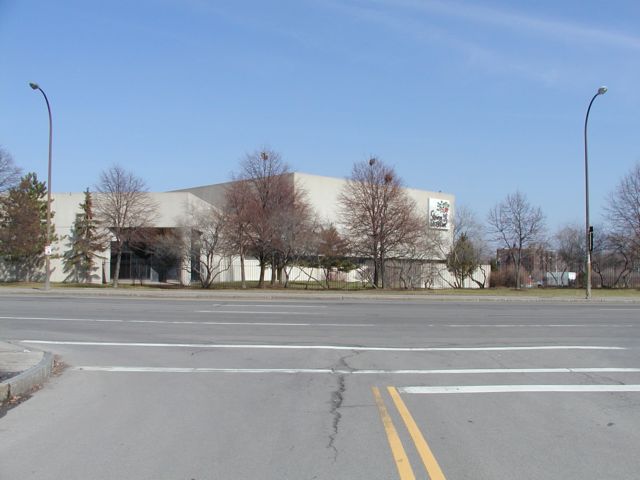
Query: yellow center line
point(429, 460)
point(397, 450)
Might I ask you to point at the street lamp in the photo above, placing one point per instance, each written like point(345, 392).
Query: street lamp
point(47, 248)
point(588, 228)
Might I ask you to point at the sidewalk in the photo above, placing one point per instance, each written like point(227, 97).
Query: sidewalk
point(22, 369)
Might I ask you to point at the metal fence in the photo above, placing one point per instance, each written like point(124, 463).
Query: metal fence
point(398, 275)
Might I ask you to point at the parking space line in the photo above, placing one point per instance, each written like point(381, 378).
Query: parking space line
point(428, 459)
point(397, 450)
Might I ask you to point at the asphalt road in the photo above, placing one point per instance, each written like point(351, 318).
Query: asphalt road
point(200, 389)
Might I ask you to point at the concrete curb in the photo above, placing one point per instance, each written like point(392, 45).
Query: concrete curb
point(221, 295)
point(25, 381)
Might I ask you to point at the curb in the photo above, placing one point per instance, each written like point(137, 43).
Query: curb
point(25, 381)
point(231, 294)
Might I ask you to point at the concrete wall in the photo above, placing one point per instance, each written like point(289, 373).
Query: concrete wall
point(172, 211)
point(322, 192)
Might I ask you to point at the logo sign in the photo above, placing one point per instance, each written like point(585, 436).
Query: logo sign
point(47, 250)
point(439, 213)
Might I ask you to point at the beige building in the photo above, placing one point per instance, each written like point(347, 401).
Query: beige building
point(322, 193)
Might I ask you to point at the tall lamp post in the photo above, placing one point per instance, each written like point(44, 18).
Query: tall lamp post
point(588, 228)
point(47, 248)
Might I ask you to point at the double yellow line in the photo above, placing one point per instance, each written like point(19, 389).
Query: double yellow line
point(397, 450)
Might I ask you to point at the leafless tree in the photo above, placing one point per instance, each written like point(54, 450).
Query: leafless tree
point(377, 215)
point(615, 257)
point(516, 224)
point(412, 262)
point(207, 243)
point(236, 227)
point(570, 251)
point(272, 204)
point(623, 209)
point(468, 250)
point(124, 206)
point(295, 229)
point(9, 173)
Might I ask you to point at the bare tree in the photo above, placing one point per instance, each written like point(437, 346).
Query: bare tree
point(237, 225)
point(9, 173)
point(207, 245)
point(296, 229)
point(271, 202)
point(464, 256)
point(516, 224)
point(377, 215)
point(124, 206)
point(570, 251)
point(412, 260)
point(623, 209)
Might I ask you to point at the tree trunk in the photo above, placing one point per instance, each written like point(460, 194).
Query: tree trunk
point(274, 270)
point(518, 260)
point(263, 265)
point(117, 272)
point(243, 277)
point(376, 272)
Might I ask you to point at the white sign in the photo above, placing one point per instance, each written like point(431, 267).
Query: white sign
point(439, 212)
point(47, 250)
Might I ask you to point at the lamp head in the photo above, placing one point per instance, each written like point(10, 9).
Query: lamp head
point(602, 90)
point(34, 85)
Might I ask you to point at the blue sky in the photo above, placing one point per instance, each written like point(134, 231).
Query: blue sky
point(478, 99)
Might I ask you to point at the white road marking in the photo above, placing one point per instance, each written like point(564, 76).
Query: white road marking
point(322, 347)
point(191, 322)
point(202, 370)
point(253, 312)
point(619, 309)
point(520, 389)
point(252, 305)
point(120, 369)
point(307, 324)
point(539, 325)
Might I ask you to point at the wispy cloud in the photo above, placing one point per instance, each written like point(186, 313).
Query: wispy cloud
point(424, 21)
point(430, 31)
point(519, 22)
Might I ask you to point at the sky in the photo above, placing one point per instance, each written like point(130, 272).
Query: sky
point(479, 99)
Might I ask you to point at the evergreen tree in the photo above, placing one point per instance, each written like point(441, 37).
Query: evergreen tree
point(23, 227)
point(462, 260)
point(84, 242)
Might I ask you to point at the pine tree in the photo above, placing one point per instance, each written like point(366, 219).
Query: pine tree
point(23, 227)
point(84, 242)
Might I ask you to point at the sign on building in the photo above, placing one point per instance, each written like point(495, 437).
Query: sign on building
point(439, 211)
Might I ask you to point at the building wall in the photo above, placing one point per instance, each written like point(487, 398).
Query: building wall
point(323, 192)
point(172, 211)
point(173, 207)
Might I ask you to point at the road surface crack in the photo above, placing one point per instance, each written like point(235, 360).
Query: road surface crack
point(337, 397)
